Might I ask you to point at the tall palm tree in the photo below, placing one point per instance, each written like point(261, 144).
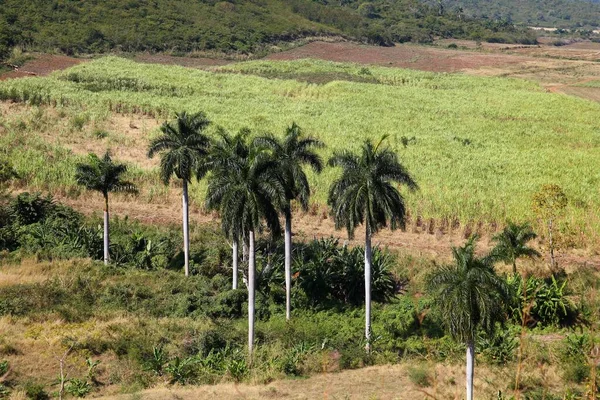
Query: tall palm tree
point(103, 175)
point(246, 194)
point(291, 154)
point(469, 296)
point(365, 194)
point(511, 244)
point(228, 153)
point(183, 146)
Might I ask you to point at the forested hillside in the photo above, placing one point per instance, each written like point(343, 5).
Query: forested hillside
point(227, 26)
point(544, 13)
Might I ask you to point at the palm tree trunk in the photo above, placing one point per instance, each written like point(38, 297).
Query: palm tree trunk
point(251, 283)
point(368, 288)
point(288, 264)
point(551, 245)
point(186, 229)
point(470, 369)
point(514, 267)
point(106, 240)
point(235, 263)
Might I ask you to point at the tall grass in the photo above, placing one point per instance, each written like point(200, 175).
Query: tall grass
point(482, 146)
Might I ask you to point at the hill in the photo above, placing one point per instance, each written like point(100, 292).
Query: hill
point(243, 26)
point(577, 14)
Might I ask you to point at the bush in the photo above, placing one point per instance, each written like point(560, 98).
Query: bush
point(35, 391)
point(419, 376)
point(229, 304)
point(78, 387)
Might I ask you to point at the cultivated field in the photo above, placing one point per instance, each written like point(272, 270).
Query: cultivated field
point(479, 147)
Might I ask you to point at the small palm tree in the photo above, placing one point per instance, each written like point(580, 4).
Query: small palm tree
point(246, 194)
point(511, 244)
point(365, 194)
point(469, 296)
point(103, 175)
point(183, 146)
point(291, 154)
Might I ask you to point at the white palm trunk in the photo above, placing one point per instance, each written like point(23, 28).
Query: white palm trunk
point(186, 229)
point(235, 263)
point(288, 266)
point(251, 285)
point(368, 288)
point(470, 369)
point(106, 241)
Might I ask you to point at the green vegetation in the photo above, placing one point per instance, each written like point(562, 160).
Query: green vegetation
point(516, 137)
point(240, 26)
point(582, 15)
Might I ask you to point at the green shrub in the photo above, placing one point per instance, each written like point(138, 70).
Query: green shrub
point(78, 387)
point(419, 376)
point(35, 391)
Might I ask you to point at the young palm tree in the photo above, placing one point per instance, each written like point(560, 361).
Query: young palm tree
point(469, 296)
point(103, 175)
point(291, 154)
point(246, 194)
point(511, 244)
point(183, 146)
point(228, 153)
point(365, 194)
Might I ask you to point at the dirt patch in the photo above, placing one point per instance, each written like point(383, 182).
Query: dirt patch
point(402, 55)
point(41, 65)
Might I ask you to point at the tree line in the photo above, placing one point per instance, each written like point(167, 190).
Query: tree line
point(253, 180)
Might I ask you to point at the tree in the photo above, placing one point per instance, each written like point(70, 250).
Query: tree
point(365, 194)
point(549, 204)
point(228, 153)
point(103, 175)
point(183, 146)
point(469, 296)
point(246, 194)
point(511, 244)
point(291, 154)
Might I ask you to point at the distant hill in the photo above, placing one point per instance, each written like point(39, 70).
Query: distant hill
point(543, 13)
point(94, 26)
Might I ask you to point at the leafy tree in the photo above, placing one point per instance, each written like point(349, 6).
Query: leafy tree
point(549, 204)
point(511, 244)
point(469, 296)
point(183, 146)
point(246, 194)
point(365, 194)
point(103, 175)
point(291, 153)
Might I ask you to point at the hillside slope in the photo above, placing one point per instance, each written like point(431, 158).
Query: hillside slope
point(96, 26)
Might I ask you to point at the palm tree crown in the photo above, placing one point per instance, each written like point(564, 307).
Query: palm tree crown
point(511, 244)
point(365, 191)
point(291, 154)
point(244, 187)
point(184, 145)
point(468, 293)
point(103, 175)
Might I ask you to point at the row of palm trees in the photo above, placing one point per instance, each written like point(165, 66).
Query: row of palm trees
point(253, 181)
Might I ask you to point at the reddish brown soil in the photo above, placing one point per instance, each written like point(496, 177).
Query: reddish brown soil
point(42, 64)
point(401, 55)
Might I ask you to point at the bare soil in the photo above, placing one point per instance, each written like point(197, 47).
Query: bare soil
point(41, 65)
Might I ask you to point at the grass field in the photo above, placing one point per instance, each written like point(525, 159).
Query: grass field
point(481, 148)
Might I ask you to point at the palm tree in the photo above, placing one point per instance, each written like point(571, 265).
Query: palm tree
point(365, 194)
point(247, 193)
point(469, 296)
point(183, 145)
point(291, 154)
point(228, 153)
point(511, 244)
point(103, 175)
